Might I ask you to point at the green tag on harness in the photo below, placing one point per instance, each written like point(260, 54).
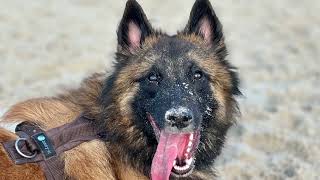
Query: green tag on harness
point(44, 144)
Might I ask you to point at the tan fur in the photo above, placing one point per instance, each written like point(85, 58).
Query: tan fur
point(220, 84)
point(42, 111)
point(90, 160)
point(95, 159)
point(150, 41)
point(87, 161)
point(193, 38)
point(125, 172)
point(126, 100)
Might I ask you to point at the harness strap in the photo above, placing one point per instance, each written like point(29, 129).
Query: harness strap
point(45, 148)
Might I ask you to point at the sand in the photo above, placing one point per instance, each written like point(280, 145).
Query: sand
point(49, 45)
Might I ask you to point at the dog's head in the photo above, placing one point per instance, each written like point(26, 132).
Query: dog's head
point(171, 97)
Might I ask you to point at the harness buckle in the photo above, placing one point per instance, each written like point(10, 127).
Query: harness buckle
point(16, 145)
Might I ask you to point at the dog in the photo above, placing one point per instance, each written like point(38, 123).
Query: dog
point(166, 107)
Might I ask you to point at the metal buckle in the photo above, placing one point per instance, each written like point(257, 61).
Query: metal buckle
point(16, 144)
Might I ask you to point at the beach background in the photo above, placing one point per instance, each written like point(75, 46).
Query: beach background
point(48, 45)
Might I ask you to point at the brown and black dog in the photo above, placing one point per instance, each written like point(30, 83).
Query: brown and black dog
point(167, 105)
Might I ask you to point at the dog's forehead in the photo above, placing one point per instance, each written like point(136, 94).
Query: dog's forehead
point(171, 52)
point(171, 56)
point(173, 48)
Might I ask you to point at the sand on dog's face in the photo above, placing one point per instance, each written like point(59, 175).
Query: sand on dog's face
point(53, 45)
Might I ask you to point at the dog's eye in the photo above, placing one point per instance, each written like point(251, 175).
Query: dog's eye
point(197, 75)
point(153, 77)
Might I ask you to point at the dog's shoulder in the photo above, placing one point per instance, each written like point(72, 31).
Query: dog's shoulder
point(50, 112)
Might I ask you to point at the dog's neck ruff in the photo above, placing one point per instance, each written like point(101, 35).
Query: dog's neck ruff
point(46, 147)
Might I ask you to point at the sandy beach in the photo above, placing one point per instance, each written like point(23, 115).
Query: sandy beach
point(47, 46)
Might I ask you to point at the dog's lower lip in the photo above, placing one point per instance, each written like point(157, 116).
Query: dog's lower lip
point(185, 169)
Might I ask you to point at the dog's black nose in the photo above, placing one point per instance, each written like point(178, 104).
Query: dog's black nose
point(179, 117)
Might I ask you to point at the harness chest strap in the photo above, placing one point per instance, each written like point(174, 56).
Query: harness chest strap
point(45, 148)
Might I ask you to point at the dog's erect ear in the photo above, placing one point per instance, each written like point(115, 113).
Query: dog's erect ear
point(134, 27)
point(204, 22)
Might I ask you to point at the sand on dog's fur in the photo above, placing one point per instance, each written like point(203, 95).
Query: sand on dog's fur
point(47, 46)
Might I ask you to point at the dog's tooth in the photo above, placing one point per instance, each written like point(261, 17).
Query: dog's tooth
point(189, 161)
point(191, 137)
point(188, 150)
point(186, 155)
point(181, 168)
point(177, 167)
point(174, 162)
point(187, 166)
point(190, 143)
point(184, 168)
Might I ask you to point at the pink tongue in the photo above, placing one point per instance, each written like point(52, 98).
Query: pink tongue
point(170, 145)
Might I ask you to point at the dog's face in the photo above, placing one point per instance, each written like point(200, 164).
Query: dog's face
point(174, 97)
point(174, 94)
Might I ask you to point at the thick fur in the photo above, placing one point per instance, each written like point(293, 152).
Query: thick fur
point(91, 160)
point(110, 100)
